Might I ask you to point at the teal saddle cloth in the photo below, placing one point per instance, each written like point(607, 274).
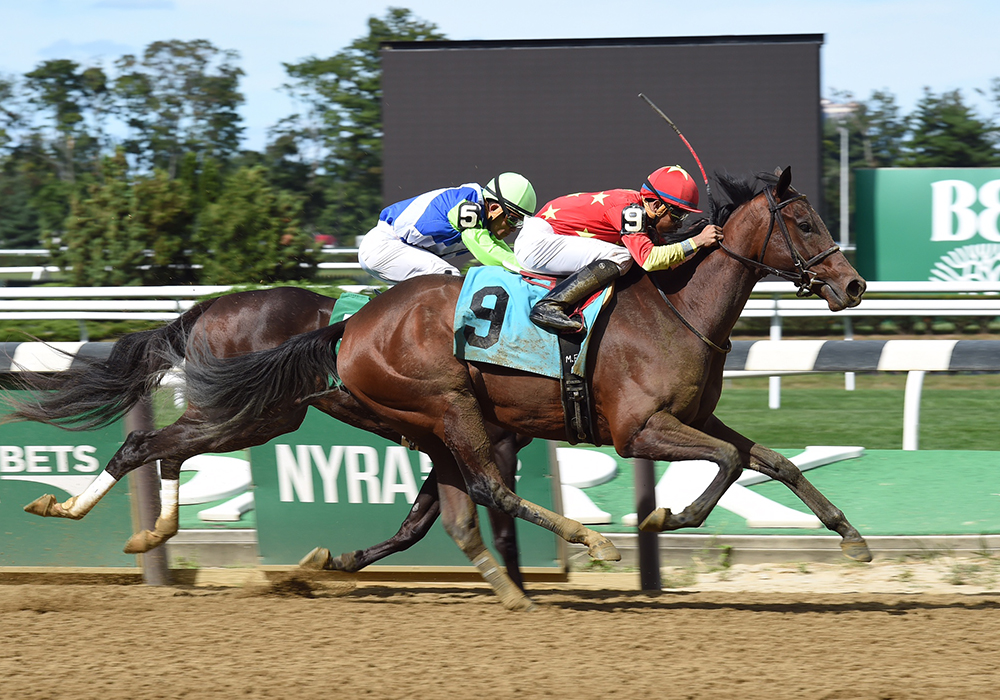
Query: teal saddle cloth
point(492, 326)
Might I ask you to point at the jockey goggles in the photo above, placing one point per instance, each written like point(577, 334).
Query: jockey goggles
point(515, 214)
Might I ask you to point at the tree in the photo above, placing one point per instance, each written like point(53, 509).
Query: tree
point(68, 96)
point(124, 230)
point(252, 233)
point(882, 130)
point(946, 133)
point(18, 219)
point(341, 130)
point(9, 111)
point(180, 97)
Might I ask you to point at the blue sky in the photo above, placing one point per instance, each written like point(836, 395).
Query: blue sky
point(898, 45)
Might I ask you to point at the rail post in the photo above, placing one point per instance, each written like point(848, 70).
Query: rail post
point(648, 542)
point(144, 484)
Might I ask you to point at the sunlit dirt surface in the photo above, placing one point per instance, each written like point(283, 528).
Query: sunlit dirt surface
point(756, 632)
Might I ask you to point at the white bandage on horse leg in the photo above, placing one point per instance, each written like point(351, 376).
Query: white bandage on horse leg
point(169, 499)
point(79, 506)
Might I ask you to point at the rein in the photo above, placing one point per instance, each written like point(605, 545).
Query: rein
point(803, 278)
point(704, 338)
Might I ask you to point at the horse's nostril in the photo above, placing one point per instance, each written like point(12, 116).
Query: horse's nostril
point(856, 288)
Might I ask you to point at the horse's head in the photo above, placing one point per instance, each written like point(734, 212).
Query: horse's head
point(792, 242)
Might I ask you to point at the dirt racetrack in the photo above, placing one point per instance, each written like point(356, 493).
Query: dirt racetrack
point(759, 633)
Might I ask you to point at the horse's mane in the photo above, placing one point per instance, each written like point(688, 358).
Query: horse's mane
point(737, 190)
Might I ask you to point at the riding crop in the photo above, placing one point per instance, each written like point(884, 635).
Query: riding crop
point(704, 177)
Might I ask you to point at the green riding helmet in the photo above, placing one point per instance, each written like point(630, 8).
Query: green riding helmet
point(514, 194)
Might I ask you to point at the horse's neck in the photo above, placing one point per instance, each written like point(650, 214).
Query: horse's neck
point(716, 293)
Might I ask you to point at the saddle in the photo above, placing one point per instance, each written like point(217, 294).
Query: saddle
point(492, 326)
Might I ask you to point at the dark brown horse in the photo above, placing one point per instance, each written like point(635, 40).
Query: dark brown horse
point(228, 326)
point(656, 374)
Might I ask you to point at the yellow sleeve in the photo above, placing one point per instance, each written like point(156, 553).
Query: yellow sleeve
point(661, 257)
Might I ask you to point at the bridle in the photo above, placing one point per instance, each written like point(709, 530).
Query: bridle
point(802, 277)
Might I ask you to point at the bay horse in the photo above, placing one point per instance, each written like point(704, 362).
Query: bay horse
point(656, 374)
point(230, 325)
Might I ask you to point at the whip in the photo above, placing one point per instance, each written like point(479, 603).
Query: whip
point(704, 177)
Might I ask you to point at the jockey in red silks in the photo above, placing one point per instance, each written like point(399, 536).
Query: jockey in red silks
point(594, 238)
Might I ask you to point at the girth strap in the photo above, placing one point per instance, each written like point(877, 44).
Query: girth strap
point(575, 393)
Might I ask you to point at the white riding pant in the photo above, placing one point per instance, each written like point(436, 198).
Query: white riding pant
point(540, 249)
point(382, 255)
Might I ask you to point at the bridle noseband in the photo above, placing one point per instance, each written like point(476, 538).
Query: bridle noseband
point(803, 277)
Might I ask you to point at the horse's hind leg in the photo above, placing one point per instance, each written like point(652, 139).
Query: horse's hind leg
point(421, 517)
point(780, 468)
point(505, 449)
point(460, 521)
point(168, 522)
point(132, 454)
point(417, 523)
point(458, 514)
point(465, 435)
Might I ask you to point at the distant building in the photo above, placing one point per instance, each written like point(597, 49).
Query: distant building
point(837, 110)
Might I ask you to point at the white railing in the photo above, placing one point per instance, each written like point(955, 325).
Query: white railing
point(39, 273)
point(915, 357)
point(774, 300)
point(101, 303)
point(977, 299)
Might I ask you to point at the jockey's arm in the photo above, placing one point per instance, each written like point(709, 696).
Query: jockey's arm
point(658, 257)
point(489, 250)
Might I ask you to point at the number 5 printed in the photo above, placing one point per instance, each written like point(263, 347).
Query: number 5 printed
point(468, 215)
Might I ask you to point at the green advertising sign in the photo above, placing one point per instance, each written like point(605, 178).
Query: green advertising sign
point(334, 486)
point(937, 224)
point(39, 459)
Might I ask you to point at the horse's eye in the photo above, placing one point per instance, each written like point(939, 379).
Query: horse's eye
point(805, 227)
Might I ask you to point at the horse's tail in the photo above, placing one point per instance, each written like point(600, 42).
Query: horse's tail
point(246, 387)
point(101, 392)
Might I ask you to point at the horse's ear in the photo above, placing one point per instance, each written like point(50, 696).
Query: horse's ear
point(784, 180)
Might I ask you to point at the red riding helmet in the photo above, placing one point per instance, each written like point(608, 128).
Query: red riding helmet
point(673, 186)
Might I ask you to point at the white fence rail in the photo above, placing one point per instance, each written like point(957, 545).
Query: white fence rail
point(41, 273)
point(776, 300)
point(101, 303)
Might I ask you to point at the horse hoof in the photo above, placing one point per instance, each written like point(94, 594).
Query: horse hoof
point(316, 560)
point(522, 604)
point(41, 506)
point(858, 551)
point(604, 551)
point(47, 507)
point(656, 521)
point(142, 542)
point(348, 562)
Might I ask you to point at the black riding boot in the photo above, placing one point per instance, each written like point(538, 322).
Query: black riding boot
point(551, 311)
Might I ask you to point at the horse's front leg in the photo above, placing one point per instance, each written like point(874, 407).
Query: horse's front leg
point(665, 438)
point(767, 461)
